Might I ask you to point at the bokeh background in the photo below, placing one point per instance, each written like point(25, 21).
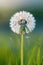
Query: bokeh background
point(10, 42)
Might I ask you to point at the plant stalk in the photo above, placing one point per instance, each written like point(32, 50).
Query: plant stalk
point(22, 44)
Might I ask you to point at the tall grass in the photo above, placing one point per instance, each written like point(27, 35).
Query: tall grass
point(31, 56)
point(10, 52)
point(38, 56)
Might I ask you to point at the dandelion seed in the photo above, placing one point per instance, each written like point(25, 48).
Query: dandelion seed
point(24, 19)
point(22, 22)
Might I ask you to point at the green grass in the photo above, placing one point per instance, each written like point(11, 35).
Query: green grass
point(10, 50)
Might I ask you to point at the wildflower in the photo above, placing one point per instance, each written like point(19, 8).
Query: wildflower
point(22, 21)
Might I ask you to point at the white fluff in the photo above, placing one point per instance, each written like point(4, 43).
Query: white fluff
point(15, 27)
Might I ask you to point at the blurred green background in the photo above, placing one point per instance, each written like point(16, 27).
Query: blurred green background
point(10, 42)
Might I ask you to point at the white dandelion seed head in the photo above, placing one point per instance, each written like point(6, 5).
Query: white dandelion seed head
point(22, 15)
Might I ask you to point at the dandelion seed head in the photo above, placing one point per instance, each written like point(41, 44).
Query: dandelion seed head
point(22, 18)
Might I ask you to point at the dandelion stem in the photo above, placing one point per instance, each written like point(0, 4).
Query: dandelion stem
point(22, 41)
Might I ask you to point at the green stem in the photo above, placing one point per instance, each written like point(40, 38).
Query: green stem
point(22, 41)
